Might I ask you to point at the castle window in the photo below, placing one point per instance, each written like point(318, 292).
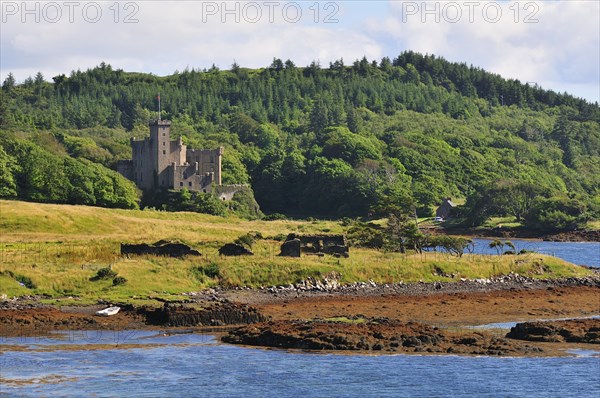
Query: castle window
point(190, 183)
point(164, 143)
point(164, 152)
point(181, 183)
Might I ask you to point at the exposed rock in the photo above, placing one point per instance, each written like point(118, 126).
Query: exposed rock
point(575, 236)
point(412, 341)
point(368, 335)
point(511, 281)
point(572, 331)
point(160, 248)
point(216, 314)
point(233, 249)
point(468, 341)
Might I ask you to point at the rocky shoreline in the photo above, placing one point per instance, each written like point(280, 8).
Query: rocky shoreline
point(511, 233)
point(312, 287)
point(571, 331)
point(324, 315)
point(33, 319)
point(330, 285)
point(388, 336)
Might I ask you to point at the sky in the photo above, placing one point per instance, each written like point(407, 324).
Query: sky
point(554, 44)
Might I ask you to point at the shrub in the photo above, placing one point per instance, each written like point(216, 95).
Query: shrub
point(26, 281)
point(451, 244)
point(22, 279)
point(209, 204)
point(184, 200)
point(104, 273)
point(119, 280)
point(279, 237)
point(557, 214)
point(425, 211)
point(211, 270)
point(366, 235)
point(274, 217)
point(256, 234)
point(245, 240)
point(244, 205)
point(346, 221)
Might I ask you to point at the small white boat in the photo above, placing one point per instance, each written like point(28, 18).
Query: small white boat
point(108, 311)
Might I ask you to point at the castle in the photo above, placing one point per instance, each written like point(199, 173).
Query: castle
point(159, 163)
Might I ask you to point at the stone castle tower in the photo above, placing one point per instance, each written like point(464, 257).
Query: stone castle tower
point(159, 163)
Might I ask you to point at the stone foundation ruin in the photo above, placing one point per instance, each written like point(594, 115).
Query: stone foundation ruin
point(296, 245)
point(160, 248)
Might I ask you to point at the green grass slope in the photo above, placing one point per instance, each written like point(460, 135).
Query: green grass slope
point(57, 249)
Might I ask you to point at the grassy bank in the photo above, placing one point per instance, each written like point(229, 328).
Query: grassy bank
point(56, 250)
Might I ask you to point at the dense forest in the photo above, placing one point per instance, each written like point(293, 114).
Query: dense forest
point(329, 141)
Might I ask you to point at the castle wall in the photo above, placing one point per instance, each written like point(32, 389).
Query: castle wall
point(187, 177)
point(158, 162)
point(143, 163)
point(226, 192)
point(125, 168)
point(209, 161)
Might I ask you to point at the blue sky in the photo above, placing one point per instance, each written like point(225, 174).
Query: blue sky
point(555, 44)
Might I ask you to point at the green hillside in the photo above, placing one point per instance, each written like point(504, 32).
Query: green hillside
point(336, 140)
point(58, 250)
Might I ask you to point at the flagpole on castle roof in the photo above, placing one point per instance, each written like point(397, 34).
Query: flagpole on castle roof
point(158, 97)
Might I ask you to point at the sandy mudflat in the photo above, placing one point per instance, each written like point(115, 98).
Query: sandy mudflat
point(420, 318)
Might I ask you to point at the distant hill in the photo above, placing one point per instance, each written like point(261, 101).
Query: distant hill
point(321, 140)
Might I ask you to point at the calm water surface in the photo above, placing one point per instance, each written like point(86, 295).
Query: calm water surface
point(196, 365)
point(580, 253)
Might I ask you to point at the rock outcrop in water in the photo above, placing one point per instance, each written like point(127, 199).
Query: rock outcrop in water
point(377, 335)
point(570, 331)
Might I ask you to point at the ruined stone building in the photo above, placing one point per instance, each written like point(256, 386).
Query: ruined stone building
point(445, 209)
point(159, 162)
point(296, 245)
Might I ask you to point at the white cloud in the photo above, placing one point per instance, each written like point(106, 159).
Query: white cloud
point(560, 50)
point(174, 35)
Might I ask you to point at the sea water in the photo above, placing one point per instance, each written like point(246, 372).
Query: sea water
point(580, 253)
point(151, 364)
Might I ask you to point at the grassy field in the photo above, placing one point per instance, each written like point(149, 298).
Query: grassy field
point(595, 224)
point(56, 249)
